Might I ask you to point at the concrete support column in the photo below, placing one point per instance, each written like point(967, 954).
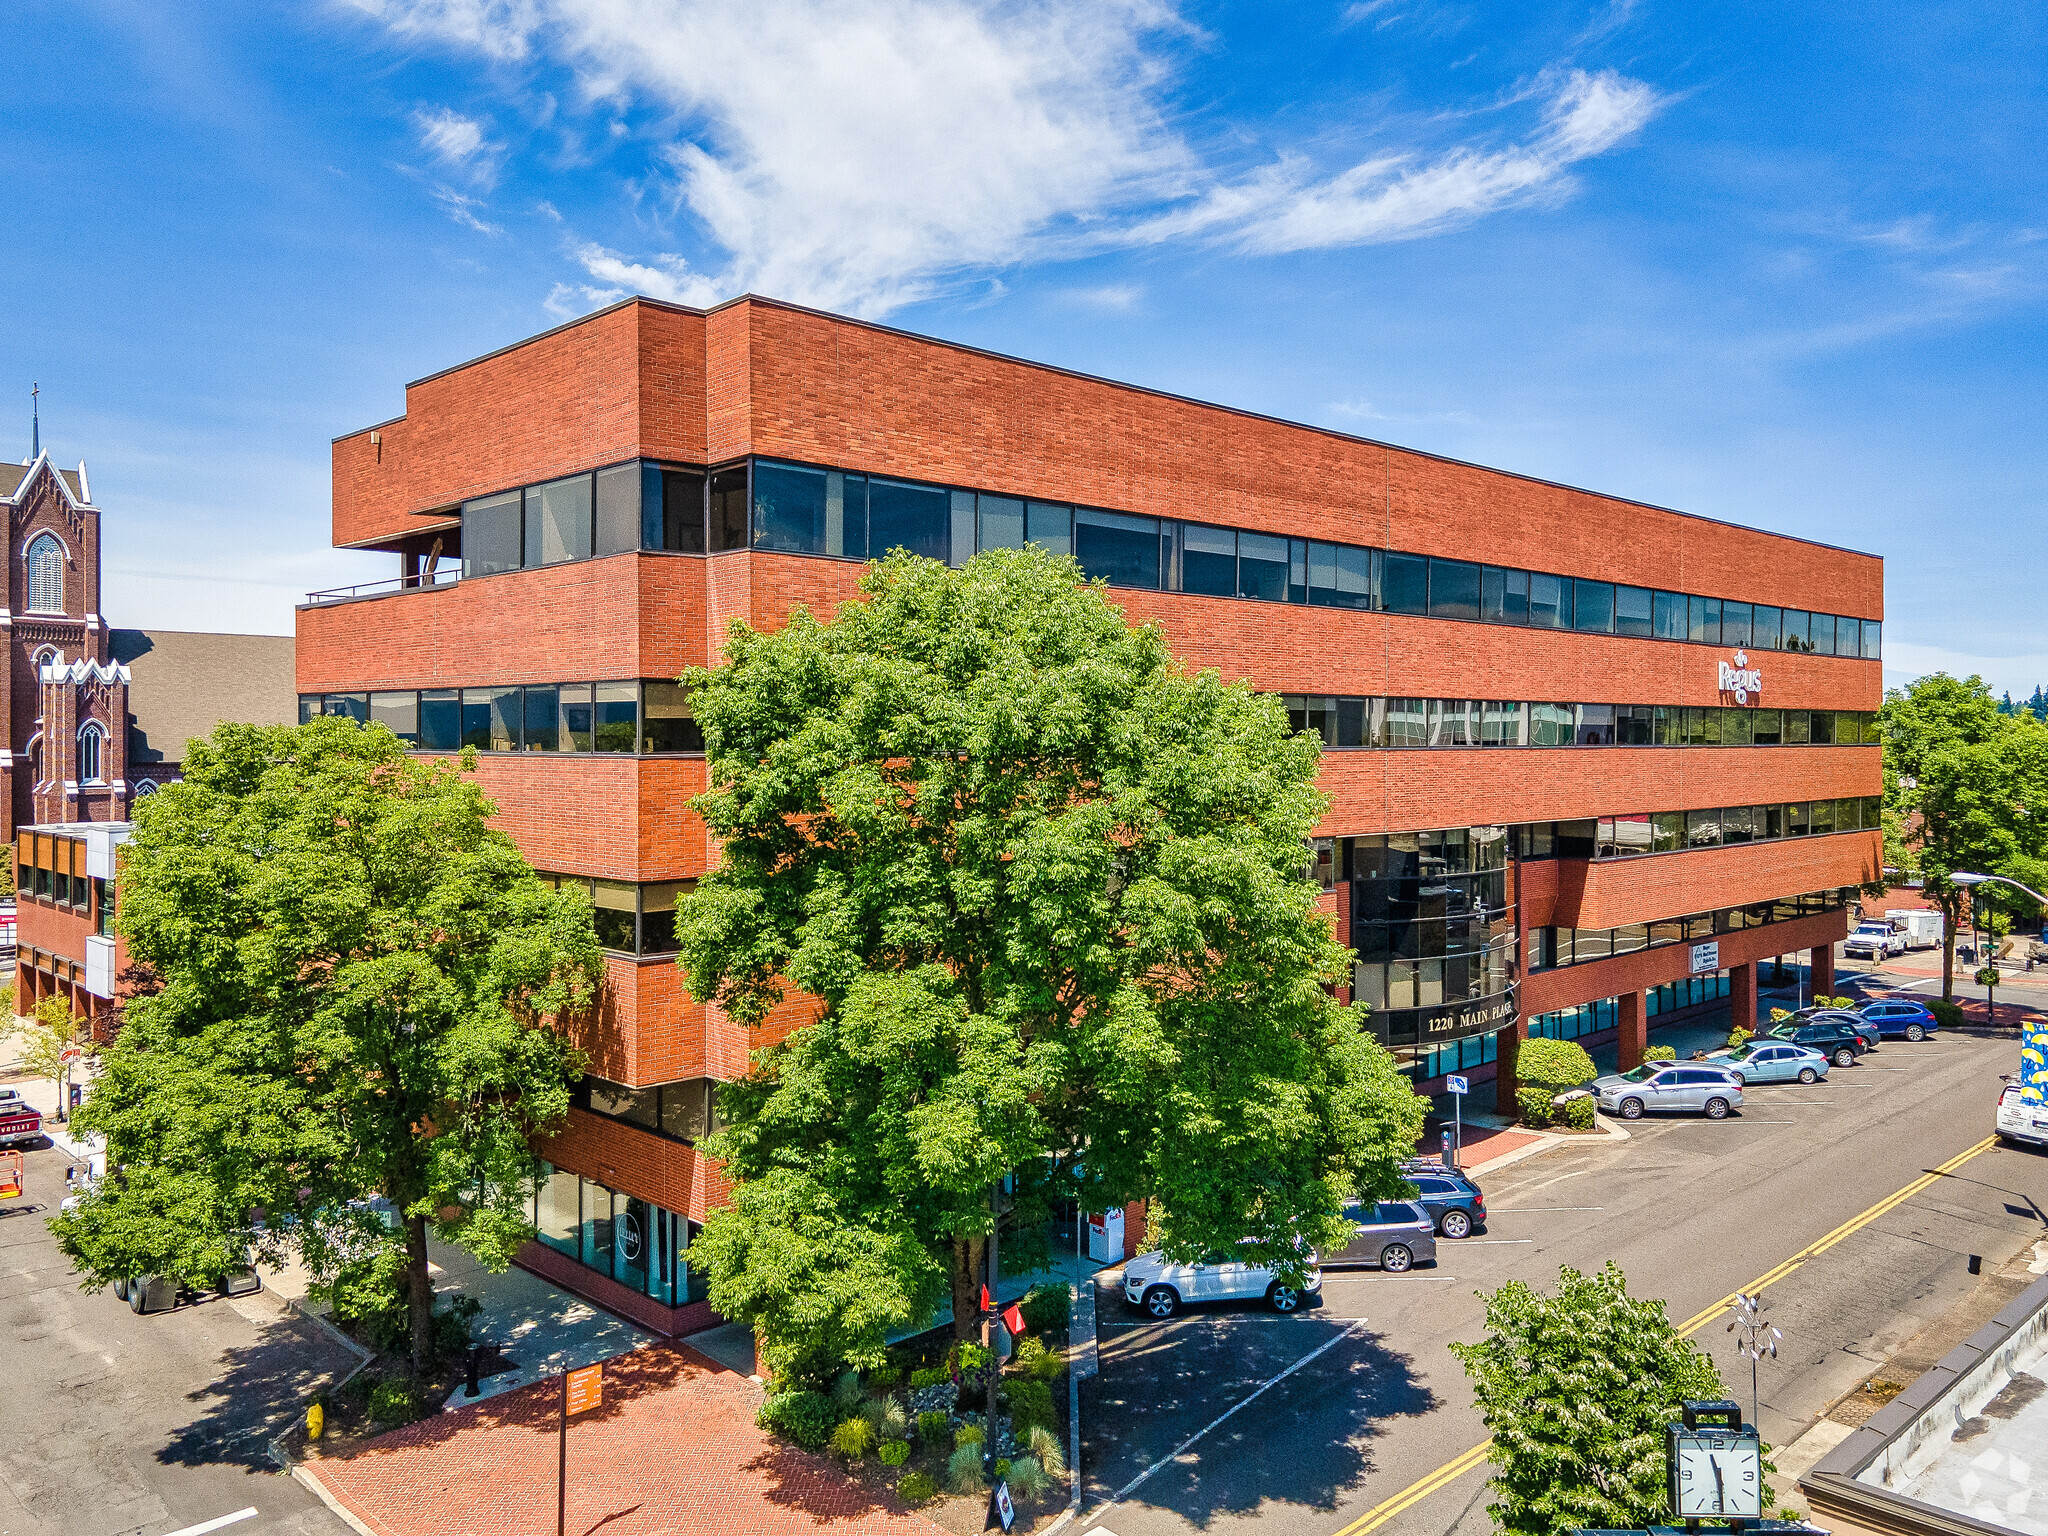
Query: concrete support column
point(1822, 959)
point(1742, 997)
point(1632, 1020)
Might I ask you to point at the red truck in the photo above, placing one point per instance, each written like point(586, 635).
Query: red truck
point(21, 1123)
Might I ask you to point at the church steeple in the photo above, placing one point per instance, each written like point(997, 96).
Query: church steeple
point(35, 414)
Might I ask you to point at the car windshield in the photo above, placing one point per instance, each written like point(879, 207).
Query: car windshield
point(1637, 1074)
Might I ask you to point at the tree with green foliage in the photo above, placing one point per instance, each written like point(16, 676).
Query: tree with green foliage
point(1966, 788)
point(1576, 1389)
point(1051, 890)
point(46, 1034)
point(357, 986)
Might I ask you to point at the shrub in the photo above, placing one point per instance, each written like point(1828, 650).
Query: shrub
point(1030, 1403)
point(970, 1356)
point(847, 1392)
point(1045, 1448)
point(1047, 1308)
point(967, 1434)
point(885, 1416)
point(1948, 1015)
point(1578, 1115)
point(1553, 1064)
point(393, 1403)
point(1027, 1478)
point(931, 1425)
point(930, 1378)
point(894, 1452)
point(1532, 1105)
point(1780, 1015)
point(917, 1488)
point(1661, 1053)
point(1738, 1038)
point(1002, 1468)
point(885, 1375)
point(1834, 1002)
point(963, 1469)
point(1038, 1362)
point(805, 1417)
point(853, 1439)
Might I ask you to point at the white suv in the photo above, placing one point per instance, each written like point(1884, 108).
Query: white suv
point(1158, 1286)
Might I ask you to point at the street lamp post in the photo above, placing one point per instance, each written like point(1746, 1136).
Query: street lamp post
point(1968, 878)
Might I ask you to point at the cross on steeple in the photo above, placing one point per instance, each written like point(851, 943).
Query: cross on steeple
point(35, 431)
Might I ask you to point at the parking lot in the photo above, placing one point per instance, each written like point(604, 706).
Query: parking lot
point(1229, 1417)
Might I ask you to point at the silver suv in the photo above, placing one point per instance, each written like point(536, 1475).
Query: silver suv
point(1668, 1086)
point(1394, 1234)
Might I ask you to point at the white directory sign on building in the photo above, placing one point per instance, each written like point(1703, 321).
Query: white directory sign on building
point(1706, 957)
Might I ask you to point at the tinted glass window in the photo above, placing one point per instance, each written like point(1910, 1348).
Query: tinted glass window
point(1208, 562)
point(728, 509)
point(665, 722)
point(1001, 522)
point(1822, 634)
point(1793, 627)
point(1050, 526)
point(618, 509)
point(1632, 611)
point(789, 509)
point(1821, 727)
point(398, 713)
point(1453, 589)
point(1703, 619)
point(1405, 586)
point(1340, 576)
point(615, 724)
point(1735, 623)
point(1668, 616)
point(1593, 606)
point(1123, 551)
point(904, 516)
point(1873, 638)
point(476, 718)
point(960, 545)
point(543, 718)
point(573, 734)
point(558, 521)
point(440, 719)
point(672, 510)
point(491, 535)
point(1262, 567)
point(1549, 601)
point(1765, 628)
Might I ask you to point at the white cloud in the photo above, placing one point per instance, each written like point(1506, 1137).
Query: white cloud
point(865, 154)
point(457, 142)
point(462, 208)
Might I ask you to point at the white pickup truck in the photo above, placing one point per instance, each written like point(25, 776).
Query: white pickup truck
point(1874, 940)
point(21, 1123)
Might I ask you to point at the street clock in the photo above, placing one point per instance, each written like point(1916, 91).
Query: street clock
point(1716, 1464)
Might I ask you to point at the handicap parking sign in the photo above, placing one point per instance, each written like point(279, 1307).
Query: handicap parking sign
point(1456, 1084)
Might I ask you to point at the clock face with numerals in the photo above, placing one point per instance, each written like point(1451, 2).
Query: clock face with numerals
point(1716, 1474)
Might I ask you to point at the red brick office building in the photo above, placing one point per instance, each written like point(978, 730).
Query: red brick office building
point(1590, 761)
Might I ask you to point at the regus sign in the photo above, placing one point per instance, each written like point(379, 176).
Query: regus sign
point(1741, 679)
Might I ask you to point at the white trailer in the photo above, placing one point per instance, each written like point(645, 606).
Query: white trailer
point(1921, 927)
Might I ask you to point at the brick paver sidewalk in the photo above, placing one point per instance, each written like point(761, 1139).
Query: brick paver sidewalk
point(673, 1449)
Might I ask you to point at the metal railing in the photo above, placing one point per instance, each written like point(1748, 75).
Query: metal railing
point(444, 576)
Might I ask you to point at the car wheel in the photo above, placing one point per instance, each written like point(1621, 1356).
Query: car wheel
point(1717, 1109)
point(1808, 1076)
point(138, 1295)
point(1631, 1109)
point(1844, 1057)
point(121, 1289)
point(1285, 1298)
point(1740, 1080)
point(1455, 1224)
point(1915, 1033)
point(1396, 1259)
point(1162, 1301)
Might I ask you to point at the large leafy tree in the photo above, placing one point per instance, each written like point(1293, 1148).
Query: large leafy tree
point(1050, 889)
point(1576, 1389)
point(355, 987)
point(1966, 789)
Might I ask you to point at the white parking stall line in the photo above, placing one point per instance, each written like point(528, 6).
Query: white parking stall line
point(1257, 1392)
point(215, 1524)
point(1527, 1210)
point(1330, 1280)
point(1481, 1242)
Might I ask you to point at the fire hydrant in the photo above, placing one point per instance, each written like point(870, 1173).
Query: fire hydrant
point(316, 1420)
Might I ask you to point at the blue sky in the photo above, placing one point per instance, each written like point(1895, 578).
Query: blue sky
point(1778, 264)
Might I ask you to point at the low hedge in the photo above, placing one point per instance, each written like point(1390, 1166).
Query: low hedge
point(1532, 1105)
point(1578, 1114)
point(1948, 1015)
point(1046, 1309)
point(1661, 1053)
point(808, 1418)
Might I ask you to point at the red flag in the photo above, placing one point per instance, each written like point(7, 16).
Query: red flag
point(1013, 1319)
point(985, 1307)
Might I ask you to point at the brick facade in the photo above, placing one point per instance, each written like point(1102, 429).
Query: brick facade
point(754, 377)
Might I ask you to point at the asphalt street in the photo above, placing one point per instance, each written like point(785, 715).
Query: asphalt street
point(1692, 1210)
point(118, 1425)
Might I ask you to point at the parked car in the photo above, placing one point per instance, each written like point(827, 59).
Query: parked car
point(1160, 1287)
point(1660, 1086)
point(1453, 1201)
point(2019, 1121)
point(21, 1123)
point(1772, 1061)
point(1874, 940)
point(1901, 1016)
point(1841, 1041)
point(1394, 1234)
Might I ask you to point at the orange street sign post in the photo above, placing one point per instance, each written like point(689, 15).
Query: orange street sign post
point(581, 1391)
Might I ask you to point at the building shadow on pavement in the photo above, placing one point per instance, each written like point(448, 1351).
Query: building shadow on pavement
point(1306, 1443)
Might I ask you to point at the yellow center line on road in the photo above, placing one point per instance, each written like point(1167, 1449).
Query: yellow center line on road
point(1452, 1470)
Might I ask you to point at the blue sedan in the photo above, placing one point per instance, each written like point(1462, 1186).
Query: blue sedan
point(1900, 1016)
point(1772, 1061)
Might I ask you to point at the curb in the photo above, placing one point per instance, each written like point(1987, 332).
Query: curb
point(1087, 1361)
point(305, 1478)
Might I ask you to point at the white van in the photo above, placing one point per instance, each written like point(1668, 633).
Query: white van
point(2019, 1121)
